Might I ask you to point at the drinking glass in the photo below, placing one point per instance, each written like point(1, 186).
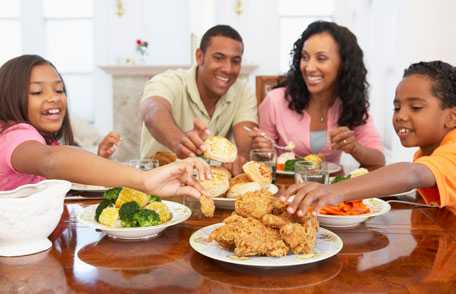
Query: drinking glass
point(307, 171)
point(268, 157)
point(143, 164)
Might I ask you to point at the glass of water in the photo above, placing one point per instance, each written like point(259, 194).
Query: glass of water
point(307, 171)
point(268, 157)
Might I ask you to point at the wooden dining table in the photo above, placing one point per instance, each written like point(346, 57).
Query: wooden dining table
point(408, 250)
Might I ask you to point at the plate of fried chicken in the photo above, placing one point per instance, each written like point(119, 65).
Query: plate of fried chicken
point(261, 233)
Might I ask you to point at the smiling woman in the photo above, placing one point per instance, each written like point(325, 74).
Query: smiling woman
point(321, 104)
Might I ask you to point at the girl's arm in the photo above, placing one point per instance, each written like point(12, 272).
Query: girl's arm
point(76, 165)
point(391, 179)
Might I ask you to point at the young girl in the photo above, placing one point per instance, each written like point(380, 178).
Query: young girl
point(424, 116)
point(33, 117)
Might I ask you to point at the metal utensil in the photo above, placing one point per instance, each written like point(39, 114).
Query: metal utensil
point(412, 203)
point(286, 147)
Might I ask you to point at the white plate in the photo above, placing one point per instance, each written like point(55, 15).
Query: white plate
point(332, 168)
point(88, 188)
point(228, 203)
point(179, 212)
point(376, 205)
point(328, 244)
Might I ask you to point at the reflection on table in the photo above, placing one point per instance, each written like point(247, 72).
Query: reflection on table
point(407, 250)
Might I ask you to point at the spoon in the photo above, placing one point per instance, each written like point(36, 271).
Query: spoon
point(289, 147)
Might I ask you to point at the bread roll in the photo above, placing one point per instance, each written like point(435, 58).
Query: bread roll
point(221, 171)
point(258, 172)
point(240, 189)
point(240, 178)
point(219, 183)
point(220, 149)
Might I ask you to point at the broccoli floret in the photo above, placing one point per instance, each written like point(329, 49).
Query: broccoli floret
point(290, 165)
point(126, 213)
point(112, 194)
point(153, 198)
point(146, 217)
point(103, 204)
point(340, 179)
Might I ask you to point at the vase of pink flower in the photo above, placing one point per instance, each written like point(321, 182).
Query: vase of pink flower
point(142, 50)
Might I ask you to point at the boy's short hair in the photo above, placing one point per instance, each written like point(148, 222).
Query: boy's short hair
point(219, 30)
point(443, 76)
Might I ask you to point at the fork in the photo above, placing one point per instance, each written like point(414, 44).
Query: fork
point(412, 203)
point(288, 147)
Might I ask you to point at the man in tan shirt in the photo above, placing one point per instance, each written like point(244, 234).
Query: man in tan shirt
point(180, 108)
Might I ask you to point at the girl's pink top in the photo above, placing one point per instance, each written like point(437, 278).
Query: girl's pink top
point(285, 125)
point(11, 138)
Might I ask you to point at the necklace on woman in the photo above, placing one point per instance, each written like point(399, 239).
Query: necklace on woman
point(322, 119)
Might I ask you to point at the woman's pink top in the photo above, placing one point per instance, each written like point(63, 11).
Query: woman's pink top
point(285, 125)
point(10, 138)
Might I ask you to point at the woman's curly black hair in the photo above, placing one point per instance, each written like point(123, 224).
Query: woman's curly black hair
point(351, 84)
point(443, 76)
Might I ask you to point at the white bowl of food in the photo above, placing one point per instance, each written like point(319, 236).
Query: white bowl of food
point(179, 214)
point(28, 215)
point(376, 207)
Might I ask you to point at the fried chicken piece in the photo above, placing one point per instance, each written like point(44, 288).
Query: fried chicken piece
point(301, 238)
point(255, 239)
point(254, 204)
point(233, 218)
point(278, 206)
point(273, 221)
point(225, 236)
point(207, 206)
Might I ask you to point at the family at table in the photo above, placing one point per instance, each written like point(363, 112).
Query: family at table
point(320, 105)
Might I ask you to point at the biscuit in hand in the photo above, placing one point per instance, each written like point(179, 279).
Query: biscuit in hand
point(220, 148)
point(219, 182)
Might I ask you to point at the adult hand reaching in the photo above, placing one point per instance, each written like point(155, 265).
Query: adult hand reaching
point(192, 142)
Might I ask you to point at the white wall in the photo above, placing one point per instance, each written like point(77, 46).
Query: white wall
point(392, 34)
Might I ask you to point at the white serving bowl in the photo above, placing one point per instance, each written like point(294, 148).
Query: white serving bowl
point(28, 215)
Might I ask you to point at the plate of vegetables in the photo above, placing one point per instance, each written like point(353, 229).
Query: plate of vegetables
point(351, 213)
point(126, 213)
point(289, 167)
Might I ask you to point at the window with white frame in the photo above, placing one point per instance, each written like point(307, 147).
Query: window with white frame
point(60, 31)
point(69, 44)
point(295, 16)
point(10, 30)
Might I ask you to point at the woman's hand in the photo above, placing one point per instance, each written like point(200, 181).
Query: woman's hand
point(301, 197)
point(260, 140)
point(178, 178)
point(108, 145)
point(342, 138)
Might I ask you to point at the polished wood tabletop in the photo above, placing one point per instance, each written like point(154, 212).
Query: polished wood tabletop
point(409, 249)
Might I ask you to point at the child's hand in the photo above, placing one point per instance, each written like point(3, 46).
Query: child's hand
point(301, 197)
point(342, 138)
point(178, 178)
point(108, 145)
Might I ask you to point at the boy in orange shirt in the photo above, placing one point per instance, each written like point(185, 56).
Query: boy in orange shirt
point(424, 116)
